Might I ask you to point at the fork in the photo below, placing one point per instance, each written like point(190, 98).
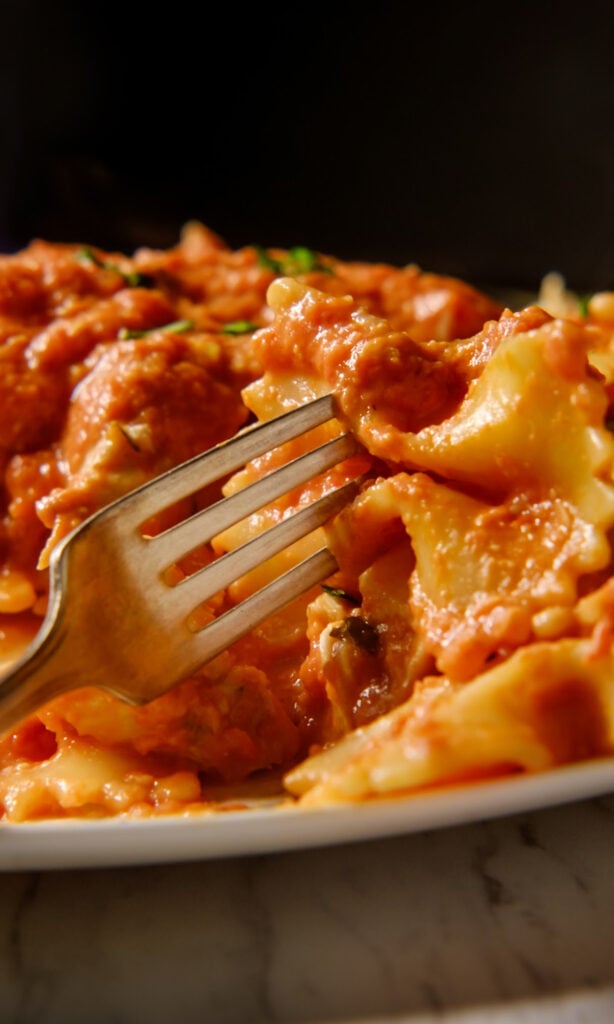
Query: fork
point(113, 622)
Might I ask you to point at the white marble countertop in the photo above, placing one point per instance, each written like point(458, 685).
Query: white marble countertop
point(510, 920)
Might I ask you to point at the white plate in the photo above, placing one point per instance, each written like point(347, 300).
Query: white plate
point(267, 827)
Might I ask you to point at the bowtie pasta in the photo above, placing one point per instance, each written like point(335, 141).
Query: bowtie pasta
point(467, 633)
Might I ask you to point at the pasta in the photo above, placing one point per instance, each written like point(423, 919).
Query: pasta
point(467, 631)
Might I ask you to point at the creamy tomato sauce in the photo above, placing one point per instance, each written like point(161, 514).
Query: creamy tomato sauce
point(474, 546)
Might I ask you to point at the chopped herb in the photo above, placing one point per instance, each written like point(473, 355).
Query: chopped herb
point(132, 278)
point(266, 261)
point(300, 260)
point(360, 632)
point(583, 301)
point(176, 327)
point(239, 327)
point(340, 593)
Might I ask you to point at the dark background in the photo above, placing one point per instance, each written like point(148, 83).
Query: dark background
point(476, 140)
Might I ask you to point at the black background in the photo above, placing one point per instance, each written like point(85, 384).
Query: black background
point(476, 140)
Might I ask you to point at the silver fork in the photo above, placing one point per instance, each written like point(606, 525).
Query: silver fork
point(113, 622)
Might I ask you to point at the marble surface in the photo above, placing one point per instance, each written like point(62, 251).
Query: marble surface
point(510, 920)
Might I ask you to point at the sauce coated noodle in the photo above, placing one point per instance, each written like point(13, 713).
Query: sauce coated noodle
point(467, 633)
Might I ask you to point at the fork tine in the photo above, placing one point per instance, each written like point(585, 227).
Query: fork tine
point(226, 457)
point(237, 621)
point(212, 578)
point(165, 548)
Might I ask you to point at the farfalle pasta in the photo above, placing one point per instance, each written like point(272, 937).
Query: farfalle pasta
point(467, 632)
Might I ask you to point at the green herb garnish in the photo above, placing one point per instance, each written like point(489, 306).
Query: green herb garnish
point(343, 595)
point(132, 278)
point(583, 301)
point(300, 260)
point(176, 327)
point(239, 327)
point(266, 261)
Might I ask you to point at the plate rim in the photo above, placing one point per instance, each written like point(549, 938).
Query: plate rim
point(279, 826)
